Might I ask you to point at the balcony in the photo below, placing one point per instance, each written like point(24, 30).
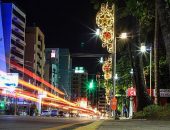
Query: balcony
point(18, 40)
point(18, 30)
point(17, 20)
point(17, 49)
point(19, 60)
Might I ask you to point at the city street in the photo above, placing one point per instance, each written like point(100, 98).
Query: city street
point(85, 65)
point(40, 123)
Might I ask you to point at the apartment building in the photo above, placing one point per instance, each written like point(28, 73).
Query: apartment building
point(79, 81)
point(13, 23)
point(35, 54)
point(52, 66)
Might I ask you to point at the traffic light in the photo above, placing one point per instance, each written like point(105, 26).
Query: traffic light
point(2, 105)
point(91, 85)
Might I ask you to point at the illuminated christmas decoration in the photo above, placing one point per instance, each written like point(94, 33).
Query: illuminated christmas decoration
point(110, 48)
point(105, 21)
point(107, 68)
point(106, 35)
point(107, 93)
point(104, 17)
point(107, 76)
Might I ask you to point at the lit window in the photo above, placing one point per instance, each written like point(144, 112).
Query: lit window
point(53, 54)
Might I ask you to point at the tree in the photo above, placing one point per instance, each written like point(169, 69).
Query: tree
point(163, 9)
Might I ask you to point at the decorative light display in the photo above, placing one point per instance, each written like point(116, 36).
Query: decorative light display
point(107, 68)
point(106, 35)
point(104, 17)
point(105, 21)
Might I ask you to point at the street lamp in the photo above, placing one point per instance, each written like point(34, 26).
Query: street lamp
point(122, 36)
point(97, 32)
point(115, 77)
point(143, 49)
point(101, 60)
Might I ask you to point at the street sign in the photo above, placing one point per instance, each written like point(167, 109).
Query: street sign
point(164, 92)
point(131, 92)
point(113, 103)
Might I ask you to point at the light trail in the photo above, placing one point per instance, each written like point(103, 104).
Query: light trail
point(26, 84)
point(65, 107)
point(29, 73)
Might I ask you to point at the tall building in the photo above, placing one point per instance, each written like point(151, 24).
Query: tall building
point(12, 45)
point(79, 81)
point(2, 46)
point(52, 66)
point(65, 65)
point(13, 22)
point(35, 53)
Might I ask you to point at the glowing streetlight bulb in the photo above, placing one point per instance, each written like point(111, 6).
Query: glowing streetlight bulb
point(123, 36)
point(116, 77)
point(97, 32)
point(143, 49)
point(101, 60)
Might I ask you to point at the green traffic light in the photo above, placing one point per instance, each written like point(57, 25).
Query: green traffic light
point(91, 85)
point(2, 105)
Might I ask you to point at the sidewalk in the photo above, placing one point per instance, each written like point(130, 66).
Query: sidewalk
point(130, 124)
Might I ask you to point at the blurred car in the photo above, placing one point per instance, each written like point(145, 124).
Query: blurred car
point(66, 114)
point(54, 112)
point(60, 114)
point(46, 113)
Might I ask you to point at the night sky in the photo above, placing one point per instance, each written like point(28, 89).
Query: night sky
point(66, 24)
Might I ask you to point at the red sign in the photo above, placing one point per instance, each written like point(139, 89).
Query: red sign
point(113, 103)
point(131, 92)
point(152, 92)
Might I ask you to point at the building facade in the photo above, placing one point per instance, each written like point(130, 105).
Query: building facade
point(52, 66)
point(14, 23)
point(12, 47)
point(79, 83)
point(101, 99)
point(2, 46)
point(35, 54)
point(65, 65)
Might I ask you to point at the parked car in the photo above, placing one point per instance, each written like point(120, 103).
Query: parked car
point(54, 112)
point(46, 113)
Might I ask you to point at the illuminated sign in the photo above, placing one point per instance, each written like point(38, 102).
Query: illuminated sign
point(164, 92)
point(53, 53)
point(8, 79)
point(131, 91)
point(79, 70)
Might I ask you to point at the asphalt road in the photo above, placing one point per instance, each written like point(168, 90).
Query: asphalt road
point(41, 123)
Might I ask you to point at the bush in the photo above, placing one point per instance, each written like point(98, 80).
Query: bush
point(154, 112)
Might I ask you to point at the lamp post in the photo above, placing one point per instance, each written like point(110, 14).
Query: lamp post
point(122, 36)
point(143, 49)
